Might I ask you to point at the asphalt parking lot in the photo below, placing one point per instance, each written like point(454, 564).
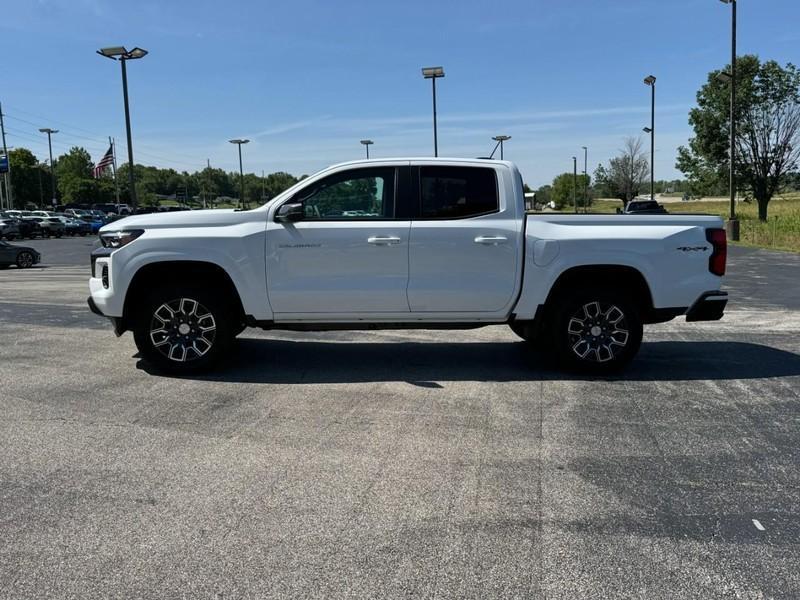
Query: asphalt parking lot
point(399, 464)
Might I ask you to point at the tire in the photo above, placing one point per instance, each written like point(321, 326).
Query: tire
point(184, 329)
point(24, 260)
point(596, 331)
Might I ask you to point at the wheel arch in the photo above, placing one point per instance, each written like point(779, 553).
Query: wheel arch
point(173, 272)
point(616, 276)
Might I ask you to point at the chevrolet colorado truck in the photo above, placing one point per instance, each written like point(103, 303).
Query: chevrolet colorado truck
point(405, 243)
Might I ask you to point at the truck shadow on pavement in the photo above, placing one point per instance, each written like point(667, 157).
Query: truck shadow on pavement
point(423, 364)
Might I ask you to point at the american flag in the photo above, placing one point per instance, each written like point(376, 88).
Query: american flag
point(104, 163)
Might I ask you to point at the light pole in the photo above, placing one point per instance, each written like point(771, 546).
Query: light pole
point(124, 55)
point(367, 145)
point(434, 73)
point(49, 133)
point(500, 139)
point(585, 177)
point(733, 222)
point(41, 190)
point(7, 175)
point(651, 81)
point(575, 183)
point(239, 143)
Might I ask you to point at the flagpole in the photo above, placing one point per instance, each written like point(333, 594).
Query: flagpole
point(114, 167)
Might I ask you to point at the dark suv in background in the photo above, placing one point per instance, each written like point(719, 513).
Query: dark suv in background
point(644, 207)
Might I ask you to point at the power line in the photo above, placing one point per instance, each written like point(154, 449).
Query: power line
point(95, 149)
point(96, 137)
point(39, 140)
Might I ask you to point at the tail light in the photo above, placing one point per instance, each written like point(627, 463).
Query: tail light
point(719, 255)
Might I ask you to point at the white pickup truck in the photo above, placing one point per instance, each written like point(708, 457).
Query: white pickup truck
point(405, 243)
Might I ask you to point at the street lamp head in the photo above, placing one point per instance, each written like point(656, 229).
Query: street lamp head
point(501, 138)
point(136, 53)
point(650, 80)
point(367, 142)
point(121, 53)
point(112, 51)
point(728, 1)
point(239, 141)
point(48, 130)
point(432, 72)
point(724, 77)
point(647, 130)
point(584, 148)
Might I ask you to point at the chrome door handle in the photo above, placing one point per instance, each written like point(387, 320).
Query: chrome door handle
point(491, 240)
point(383, 240)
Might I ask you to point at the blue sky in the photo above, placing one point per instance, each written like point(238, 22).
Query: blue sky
point(305, 80)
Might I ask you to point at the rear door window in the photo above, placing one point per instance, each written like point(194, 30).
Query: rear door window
point(457, 192)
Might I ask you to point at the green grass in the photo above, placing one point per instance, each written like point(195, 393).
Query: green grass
point(781, 231)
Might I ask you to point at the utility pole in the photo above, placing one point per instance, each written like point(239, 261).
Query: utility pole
point(733, 223)
point(208, 166)
point(585, 178)
point(434, 73)
point(7, 175)
point(575, 183)
point(650, 80)
point(123, 55)
point(49, 133)
point(239, 143)
point(41, 189)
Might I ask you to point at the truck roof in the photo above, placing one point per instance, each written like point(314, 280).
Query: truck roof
point(425, 159)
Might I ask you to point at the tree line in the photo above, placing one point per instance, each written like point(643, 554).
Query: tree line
point(767, 144)
point(75, 183)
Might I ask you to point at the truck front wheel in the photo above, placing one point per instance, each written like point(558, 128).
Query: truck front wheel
point(596, 331)
point(183, 329)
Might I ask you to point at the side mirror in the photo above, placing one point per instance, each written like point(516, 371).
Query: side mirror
point(289, 212)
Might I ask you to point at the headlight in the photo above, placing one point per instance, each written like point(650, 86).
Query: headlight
point(117, 239)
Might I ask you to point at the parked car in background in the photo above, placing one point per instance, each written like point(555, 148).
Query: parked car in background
point(22, 256)
point(75, 212)
point(95, 223)
point(50, 226)
point(109, 209)
point(74, 226)
point(644, 207)
point(28, 228)
point(8, 229)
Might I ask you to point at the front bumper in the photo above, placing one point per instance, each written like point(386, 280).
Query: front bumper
point(709, 307)
point(116, 322)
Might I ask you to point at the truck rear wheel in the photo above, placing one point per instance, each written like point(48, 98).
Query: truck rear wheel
point(183, 329)
point(596, 331)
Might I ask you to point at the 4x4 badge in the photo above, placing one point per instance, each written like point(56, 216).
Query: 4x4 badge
point(692, 248)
